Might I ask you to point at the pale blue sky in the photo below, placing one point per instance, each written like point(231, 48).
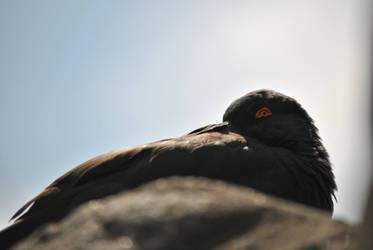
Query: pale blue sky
point(81, 78)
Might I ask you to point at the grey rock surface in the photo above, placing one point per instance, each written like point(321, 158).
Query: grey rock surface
point(193, 213)
point(365, 238)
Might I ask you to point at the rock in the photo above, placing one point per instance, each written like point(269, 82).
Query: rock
point(365, 238)
point(193, 213)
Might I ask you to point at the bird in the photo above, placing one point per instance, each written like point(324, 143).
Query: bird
point(266, 141)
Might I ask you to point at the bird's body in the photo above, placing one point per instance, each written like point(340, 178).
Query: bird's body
point(266, 141)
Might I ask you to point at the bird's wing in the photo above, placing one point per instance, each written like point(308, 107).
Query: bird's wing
point(221, 127)
point(196, 153)
point(102, 165)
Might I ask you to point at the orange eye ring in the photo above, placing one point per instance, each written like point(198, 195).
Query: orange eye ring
point(263, 112)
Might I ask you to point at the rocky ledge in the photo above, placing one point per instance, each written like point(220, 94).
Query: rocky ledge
point(193, 213)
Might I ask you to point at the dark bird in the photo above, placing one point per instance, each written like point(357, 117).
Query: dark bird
point(266, 141)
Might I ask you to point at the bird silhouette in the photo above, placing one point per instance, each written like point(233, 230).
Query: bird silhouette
point(266, 141)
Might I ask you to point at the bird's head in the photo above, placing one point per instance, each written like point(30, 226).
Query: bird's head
point(276, 120)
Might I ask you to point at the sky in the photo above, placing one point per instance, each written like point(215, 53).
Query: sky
point(82, 78)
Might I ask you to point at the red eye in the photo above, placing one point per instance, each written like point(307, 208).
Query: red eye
point(263, 112)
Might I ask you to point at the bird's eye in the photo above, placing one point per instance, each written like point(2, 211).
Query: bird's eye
point(263, 112)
